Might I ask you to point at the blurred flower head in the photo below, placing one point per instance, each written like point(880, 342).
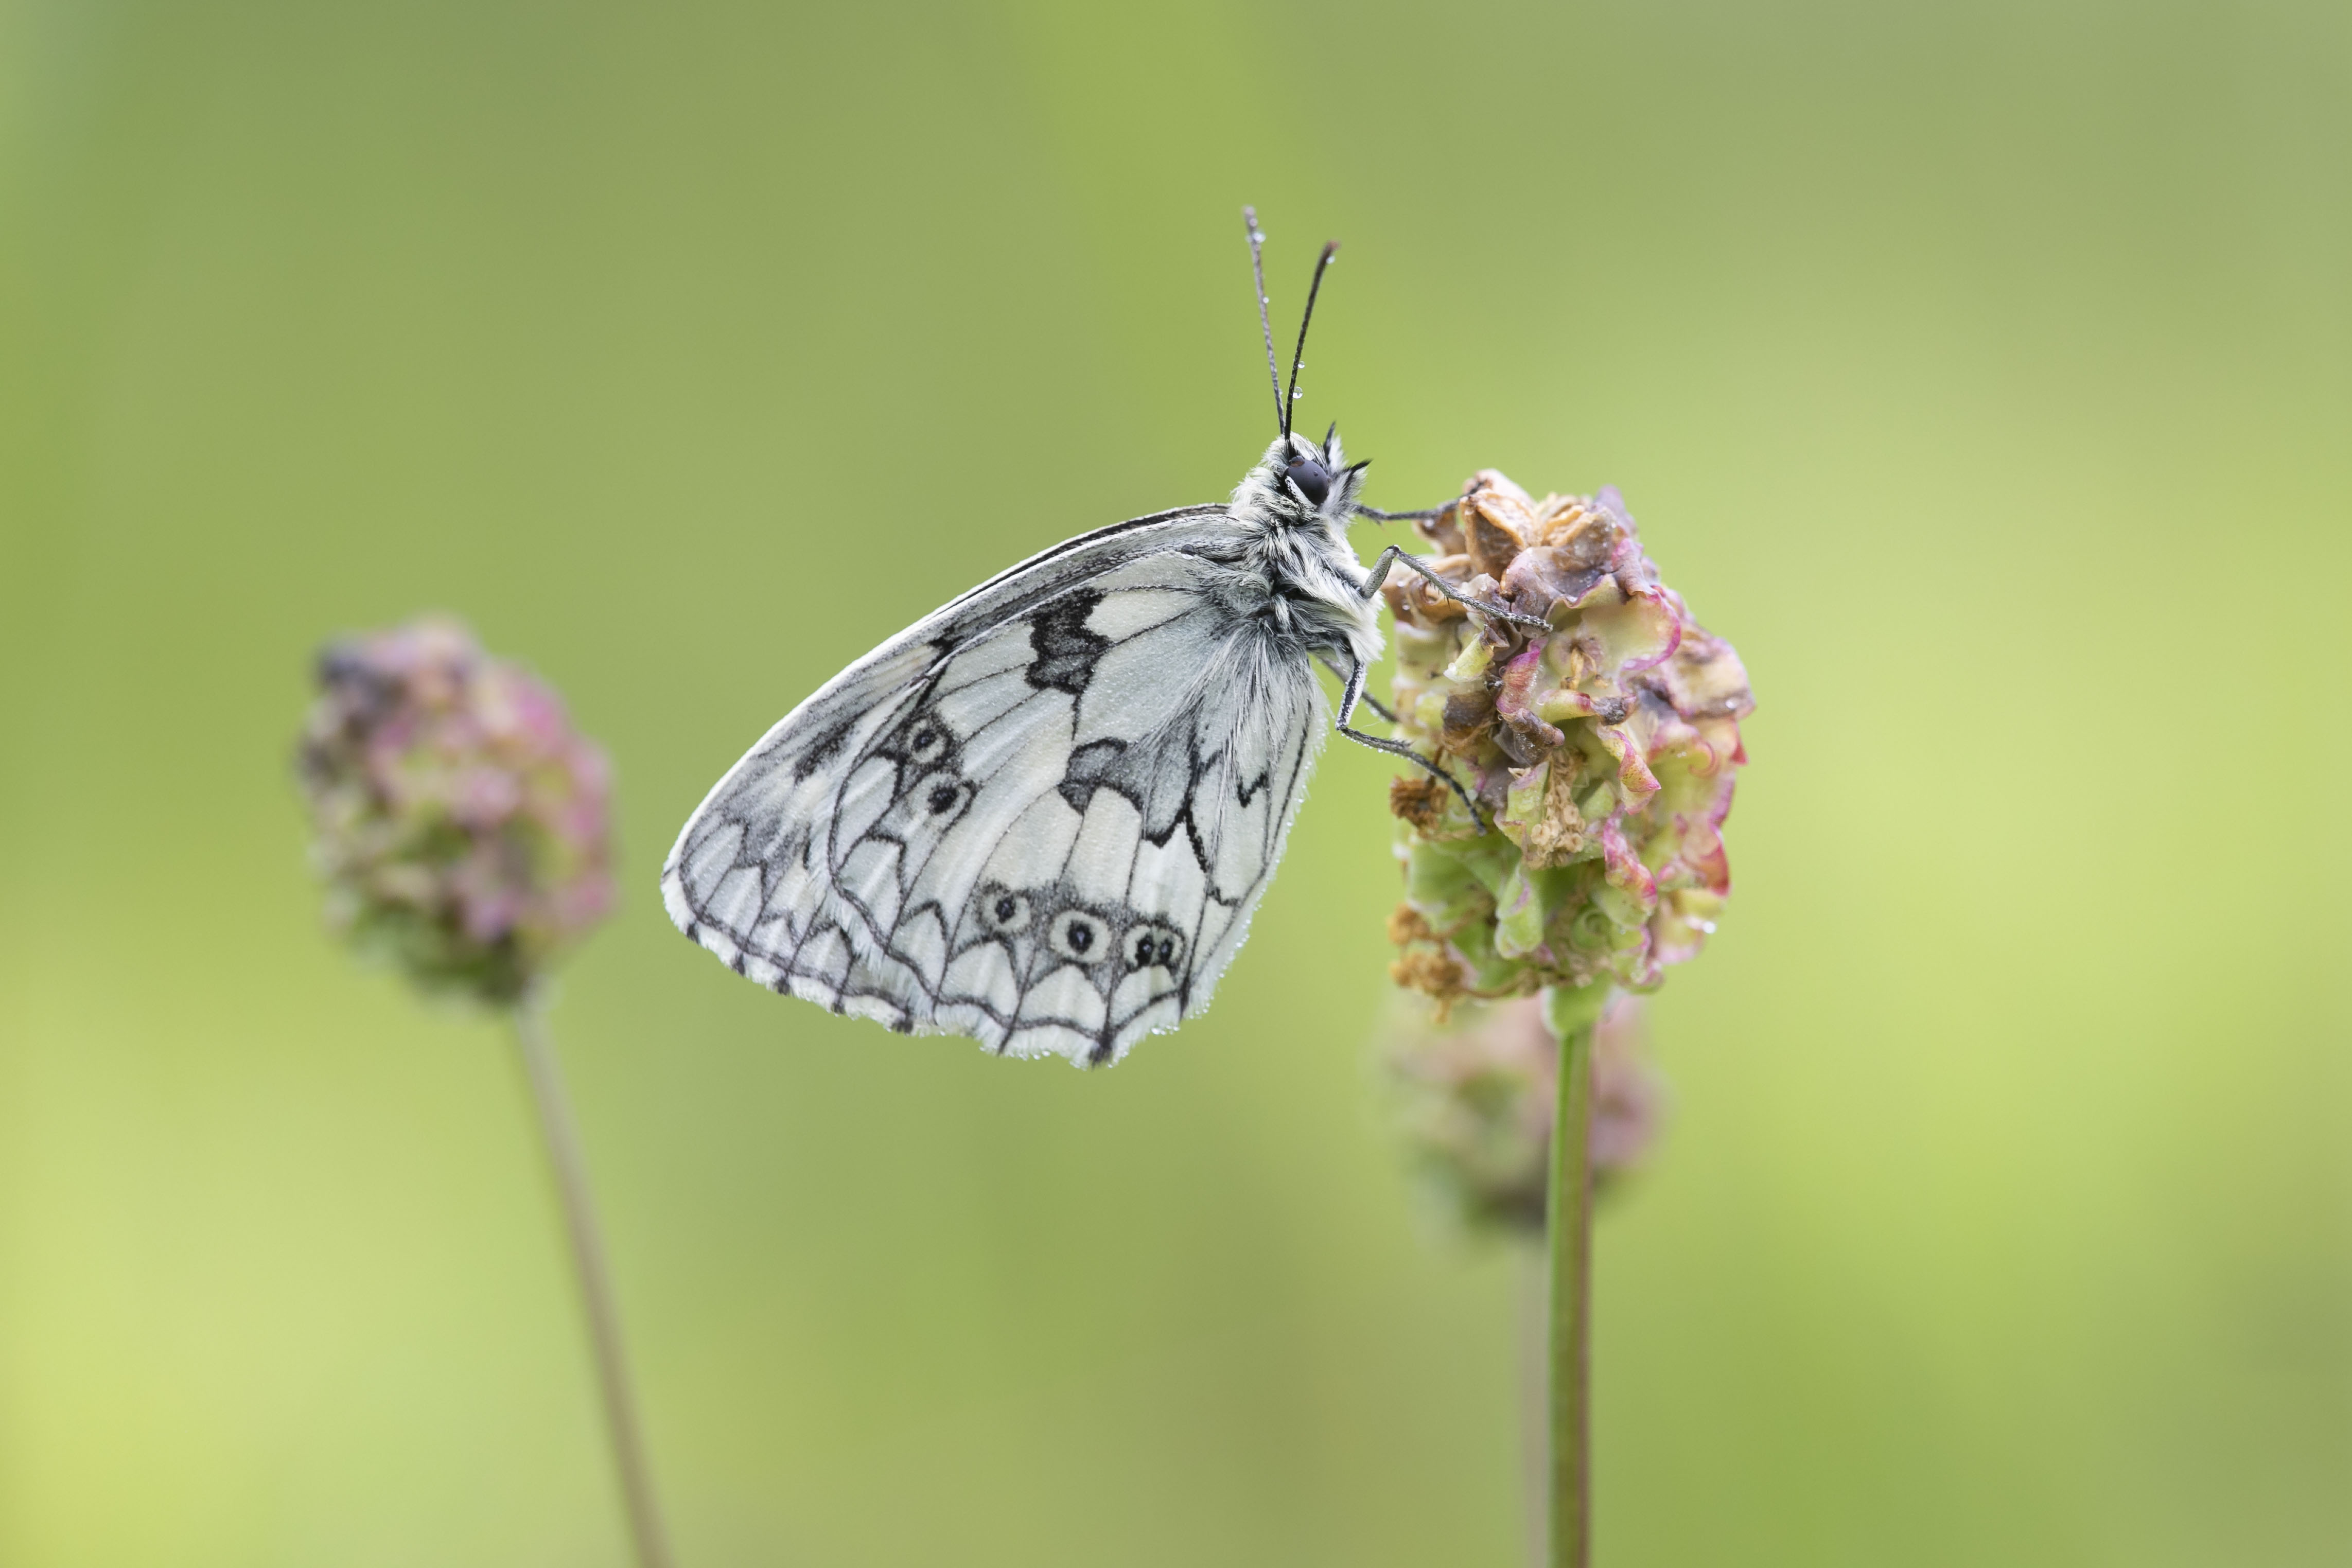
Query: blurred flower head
point(1603, 750)
point(1478, 1092)
point(461, 822)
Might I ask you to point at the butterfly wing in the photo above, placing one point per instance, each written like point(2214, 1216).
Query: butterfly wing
point(1041, 816)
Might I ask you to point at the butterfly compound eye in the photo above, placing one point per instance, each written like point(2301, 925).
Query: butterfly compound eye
point(1314, 480)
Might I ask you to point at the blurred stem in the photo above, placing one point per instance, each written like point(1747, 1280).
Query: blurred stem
point(571, 1171)
point(1570, 1013)
point(1535, 1400)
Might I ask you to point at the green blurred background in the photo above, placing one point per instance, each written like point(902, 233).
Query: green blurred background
point(1984, 372)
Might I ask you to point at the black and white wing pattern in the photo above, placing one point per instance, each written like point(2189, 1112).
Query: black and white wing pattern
point(1040, 817)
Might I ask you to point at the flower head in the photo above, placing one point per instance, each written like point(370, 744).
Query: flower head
point(1603, 750)
point(461, 823)
point(1477, 1096)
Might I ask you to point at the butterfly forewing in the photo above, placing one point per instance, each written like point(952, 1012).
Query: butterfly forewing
point(1040, 816)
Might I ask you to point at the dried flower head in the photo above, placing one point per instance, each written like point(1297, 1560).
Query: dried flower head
point(1478, 1094)
point(461, 822)
point(1603, 750)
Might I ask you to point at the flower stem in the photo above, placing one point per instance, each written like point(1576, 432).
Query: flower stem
point(571, 1171)
point(1571, 1014)
point(1535, 1402)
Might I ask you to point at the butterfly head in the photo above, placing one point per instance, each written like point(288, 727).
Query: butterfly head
point(1299, 480)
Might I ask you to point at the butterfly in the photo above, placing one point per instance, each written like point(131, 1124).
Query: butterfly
point(1043, 815)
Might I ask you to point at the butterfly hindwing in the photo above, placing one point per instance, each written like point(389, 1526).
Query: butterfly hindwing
point(1040, 817)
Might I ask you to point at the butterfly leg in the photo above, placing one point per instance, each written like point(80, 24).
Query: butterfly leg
point(1393, 556)
point(1367, 698)
point(1353, 694)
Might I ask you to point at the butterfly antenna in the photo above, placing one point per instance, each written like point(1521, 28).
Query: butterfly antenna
point(1298, 357)
point(1257, 272)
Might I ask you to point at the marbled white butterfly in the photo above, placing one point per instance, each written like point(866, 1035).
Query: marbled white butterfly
point(1042, 815)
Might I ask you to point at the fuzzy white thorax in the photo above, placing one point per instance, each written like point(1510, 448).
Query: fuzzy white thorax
point(1302, 546)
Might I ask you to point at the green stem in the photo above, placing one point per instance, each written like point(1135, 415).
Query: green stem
point(570, 1167)
point(1568, 1210)
point(1535, 1403)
